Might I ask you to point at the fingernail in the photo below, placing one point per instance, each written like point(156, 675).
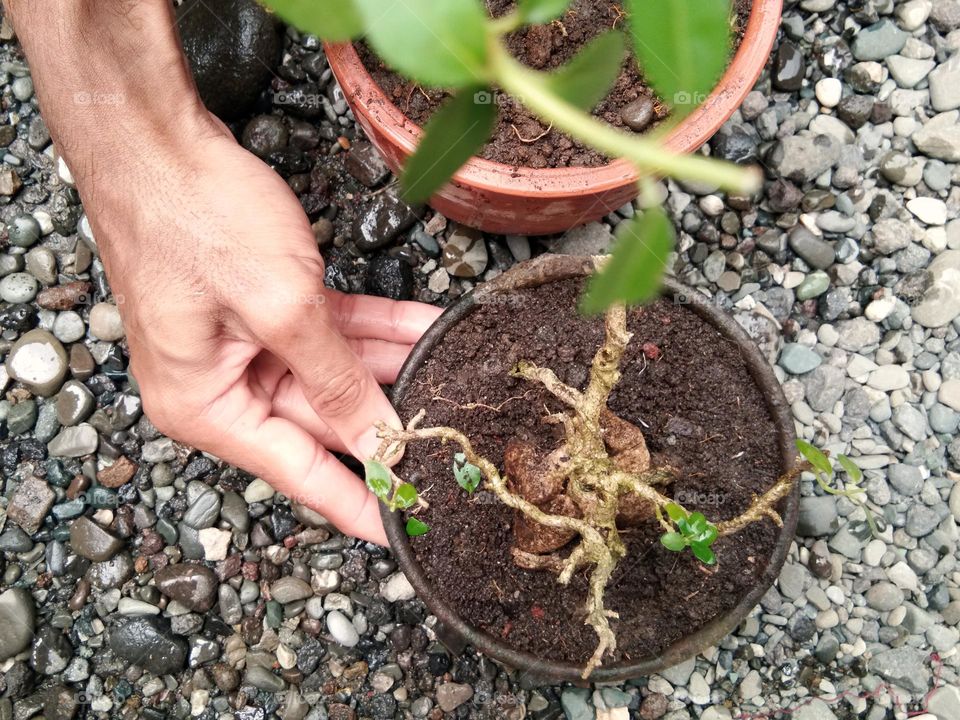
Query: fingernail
point(369, 444)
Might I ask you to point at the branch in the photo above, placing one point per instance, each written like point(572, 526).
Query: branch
point(763, 506)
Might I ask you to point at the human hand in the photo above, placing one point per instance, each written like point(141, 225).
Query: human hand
point(237, 346)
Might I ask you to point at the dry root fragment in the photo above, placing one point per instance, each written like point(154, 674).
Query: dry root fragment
point(600, 477)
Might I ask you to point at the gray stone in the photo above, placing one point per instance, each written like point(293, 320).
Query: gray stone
point(818, 516)
point(884, 596)
point(74, 441)
point(816, 252)
point(906, 479)
point(18, 288)
point(815, 709)
point(18, 619)
point(576, 704)
point(857, 334)
point(51, 652)
point(921, 521)
point(945, 85)
point(939, 137)
point(941, 301)
point(798, 359)
point(878, 41)
point(590, 239)
point(903, 666)
point(204, 507)
point(823, 387)
point(290, 589)
point(793, 580)
point(891, 235)
point(814, 285)
point(944, 702)
point(910, 421)
point(262, 679)
point(802, 158)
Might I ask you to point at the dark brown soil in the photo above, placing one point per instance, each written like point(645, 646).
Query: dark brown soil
point(697, 405)
point(543, 47)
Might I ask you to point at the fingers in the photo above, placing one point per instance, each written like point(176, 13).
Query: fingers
point(365, 316)
point(342, 391)
point(242, 432)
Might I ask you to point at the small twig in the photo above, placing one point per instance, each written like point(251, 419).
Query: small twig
point(478, 405)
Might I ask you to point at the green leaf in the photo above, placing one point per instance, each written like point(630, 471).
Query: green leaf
point(673, 541)
point(443, 44)
point(334, 20)
point(633, 273)
point(675, 512)
point(698, 522)
point(454, 133)
point(709, 536)
point(587, 78)
point(815, 457)
point(682, 46)
point(416, 527)
point(538, 12)
point(850, 467)
point(703, 553)
point(378, 478)
point(405, 496)
point(468, 476)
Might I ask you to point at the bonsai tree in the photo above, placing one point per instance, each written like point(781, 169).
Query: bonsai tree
point(598, 481)
point(682, 46)
point(572, 504)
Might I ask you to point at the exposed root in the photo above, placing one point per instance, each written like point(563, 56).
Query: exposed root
point(601, 475)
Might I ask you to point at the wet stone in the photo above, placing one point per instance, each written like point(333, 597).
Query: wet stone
point(30, 503)
point(93, 542)
point(148, 642)
point(193, 586)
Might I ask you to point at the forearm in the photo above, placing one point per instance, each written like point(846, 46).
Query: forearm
point(110, 77)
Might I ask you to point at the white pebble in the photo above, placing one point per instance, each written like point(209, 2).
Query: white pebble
point(829, 91)
point(929, 210)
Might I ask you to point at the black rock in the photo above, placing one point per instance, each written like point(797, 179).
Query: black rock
point(303, 100)
point(51, 651)
point(389, 277)
point(737, 145)
point(19, 318)
point(382, 221)
point(265, 135)
point(149, 643)
point(788, 68)
point(232, 47)
point(855, 110)
point(365, 164)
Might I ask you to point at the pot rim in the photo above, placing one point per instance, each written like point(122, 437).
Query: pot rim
point(551, 268)
point(688, 135)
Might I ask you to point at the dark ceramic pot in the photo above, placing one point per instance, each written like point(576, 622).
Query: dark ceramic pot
point(540, 271)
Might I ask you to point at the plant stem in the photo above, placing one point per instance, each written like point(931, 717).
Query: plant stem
point(647, 155)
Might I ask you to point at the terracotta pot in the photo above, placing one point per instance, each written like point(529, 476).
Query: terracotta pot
point(506, 199)
point(551, 268)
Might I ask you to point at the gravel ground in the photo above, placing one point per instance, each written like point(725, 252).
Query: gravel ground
point(846, 269)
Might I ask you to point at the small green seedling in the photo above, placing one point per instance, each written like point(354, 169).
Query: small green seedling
point(694, 531)
point(823, 471)
point(417, 527)
point(380, 481)
point(467, 475)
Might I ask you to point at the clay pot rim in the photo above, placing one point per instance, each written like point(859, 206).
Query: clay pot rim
point(692, 132)
point(550, 268)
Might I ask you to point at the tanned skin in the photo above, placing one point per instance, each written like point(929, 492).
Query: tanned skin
point(236, 345)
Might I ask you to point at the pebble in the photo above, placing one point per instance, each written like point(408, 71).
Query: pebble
point(798, 359)
point(148, 642)
point(74, 441)
point(342, 629)
point(878, 41)
point(829, 91)
point(465, 253)
point(290, 589)
point(91, 541)
point(639, 114)
point(75, 403)
point(39, 361)
point(18, 618)
point(928, 210)
point(105, 322)
point(450, 695)
point(193, 586)
point(789, 67)
point(940, 303)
